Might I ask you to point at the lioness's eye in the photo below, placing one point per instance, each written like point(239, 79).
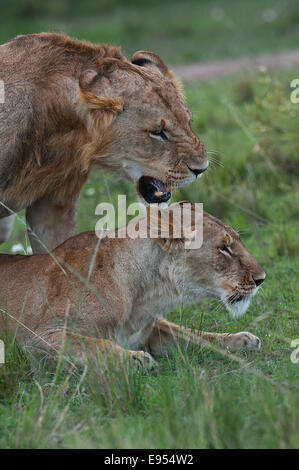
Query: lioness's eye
point(226, 250)
point(160, 135)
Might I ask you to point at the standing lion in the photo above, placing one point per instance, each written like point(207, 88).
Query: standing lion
point(71, 105)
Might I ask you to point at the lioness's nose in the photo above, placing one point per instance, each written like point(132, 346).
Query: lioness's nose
point(259, 279)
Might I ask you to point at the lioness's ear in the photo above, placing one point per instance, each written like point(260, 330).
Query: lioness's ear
point(151, 61)
point(170, 227)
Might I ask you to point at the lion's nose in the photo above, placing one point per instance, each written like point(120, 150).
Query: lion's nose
point(197, 171)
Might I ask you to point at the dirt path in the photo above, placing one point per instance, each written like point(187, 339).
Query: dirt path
point(215, 69)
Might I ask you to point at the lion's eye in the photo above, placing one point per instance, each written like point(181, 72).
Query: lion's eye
point(159, 135)
point(226, 250)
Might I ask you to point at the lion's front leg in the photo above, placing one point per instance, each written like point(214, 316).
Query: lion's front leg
point(49, 225)
point(167, 334)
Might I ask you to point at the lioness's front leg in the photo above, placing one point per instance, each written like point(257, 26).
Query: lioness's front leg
point(50, 224)
point(167, 334)
point(84, 347)
point(87, 344)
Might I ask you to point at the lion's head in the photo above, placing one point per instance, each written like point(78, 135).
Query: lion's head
point(220, 268)
point(141, 125)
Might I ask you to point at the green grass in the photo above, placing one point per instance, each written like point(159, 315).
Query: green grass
point(198, 398)
point(180, 31)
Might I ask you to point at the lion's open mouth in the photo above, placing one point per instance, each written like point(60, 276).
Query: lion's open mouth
point(153, 190)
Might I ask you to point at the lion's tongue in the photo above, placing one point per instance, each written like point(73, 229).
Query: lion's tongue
point(153, 190)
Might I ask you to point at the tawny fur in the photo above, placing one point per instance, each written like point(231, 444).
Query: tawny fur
point(71, 105)
point(114, 292)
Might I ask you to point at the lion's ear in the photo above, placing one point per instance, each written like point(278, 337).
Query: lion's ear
point(151, 61)
point(87, 80)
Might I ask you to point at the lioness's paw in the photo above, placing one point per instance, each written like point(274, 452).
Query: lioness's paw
point(144, 360)
point(244, 340)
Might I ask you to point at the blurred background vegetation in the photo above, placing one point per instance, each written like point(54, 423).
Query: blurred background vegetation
point(250, 129)
point(180, 31)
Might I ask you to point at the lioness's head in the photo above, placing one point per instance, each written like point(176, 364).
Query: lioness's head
point(141, 125)
point(220, 268)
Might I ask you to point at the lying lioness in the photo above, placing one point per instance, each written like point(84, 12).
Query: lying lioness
point(112, 293)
